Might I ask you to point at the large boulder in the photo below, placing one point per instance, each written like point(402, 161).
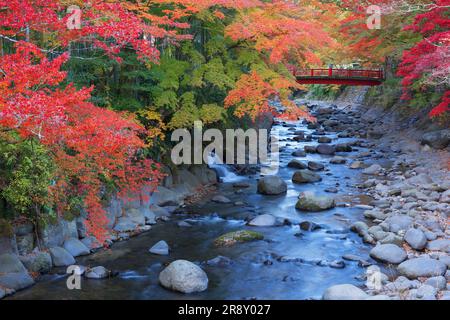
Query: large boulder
point(160, 248)
point(272, 185)
point(344, 292)
point(204, 174)
point(125, 224)
point(61, 257)
point(16, 281)
point(388, 253)
point(92, 243)
point(305, 176)
point(75, 247)
point(136, 215)
point(239, 236)
point(10, 263)
point(309, 201)
point(166, 197)
point(416, 238)
point(422, 267)
point(184, 276)
point(53, 235)
point(264, 220)
point(437, 139)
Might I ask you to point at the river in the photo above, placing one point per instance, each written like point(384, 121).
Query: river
point(258, 270)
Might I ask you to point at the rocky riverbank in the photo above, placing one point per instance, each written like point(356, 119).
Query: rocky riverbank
point(288, 236)
point(406, 173)
point(27, 254)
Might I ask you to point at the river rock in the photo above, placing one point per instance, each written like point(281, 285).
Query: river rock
point(125, 224)
point(297, 164)
point(310, 149)
point(272, 185)
point(388, 253)
point(309, 226)
point(308, 201)
point(264, 220)
point(91, 242)
point(361, 229)
point(99, 272)
point(221, 199)
point(325, 149)
point(416, 238)
point(61, 257)
point(438, 282)
point(160, 248)
point(136, 215)
point(356, 165)
point(372, 170)
point(437, 139)
point(343, 147)
point(234, 237)
point(16, 281)
point(299, 153)
point(422, 267)
point(399, 222)
point(344, 292)
point(75, 247)
point(10, 263)
point(445, 197)
point(315, 166)
point(324, 140)
point(439, 245)
point(184, 276)
point(338, 160)
point(305, 176)
point(150, 217)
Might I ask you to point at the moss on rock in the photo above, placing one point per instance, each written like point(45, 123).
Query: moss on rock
point(240, 236)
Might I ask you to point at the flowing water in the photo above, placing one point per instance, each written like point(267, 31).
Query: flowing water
point(256, 272)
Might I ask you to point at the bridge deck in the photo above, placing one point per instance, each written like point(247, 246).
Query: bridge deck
point(361, 77)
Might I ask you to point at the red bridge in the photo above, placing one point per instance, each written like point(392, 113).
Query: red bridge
point(353, 77)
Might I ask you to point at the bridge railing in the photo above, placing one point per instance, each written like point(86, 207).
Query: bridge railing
point(341, 73)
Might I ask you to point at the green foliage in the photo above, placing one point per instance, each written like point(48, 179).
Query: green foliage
point(324, 91)
point(6, 229)
point(385, 95)
point(26, 172)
